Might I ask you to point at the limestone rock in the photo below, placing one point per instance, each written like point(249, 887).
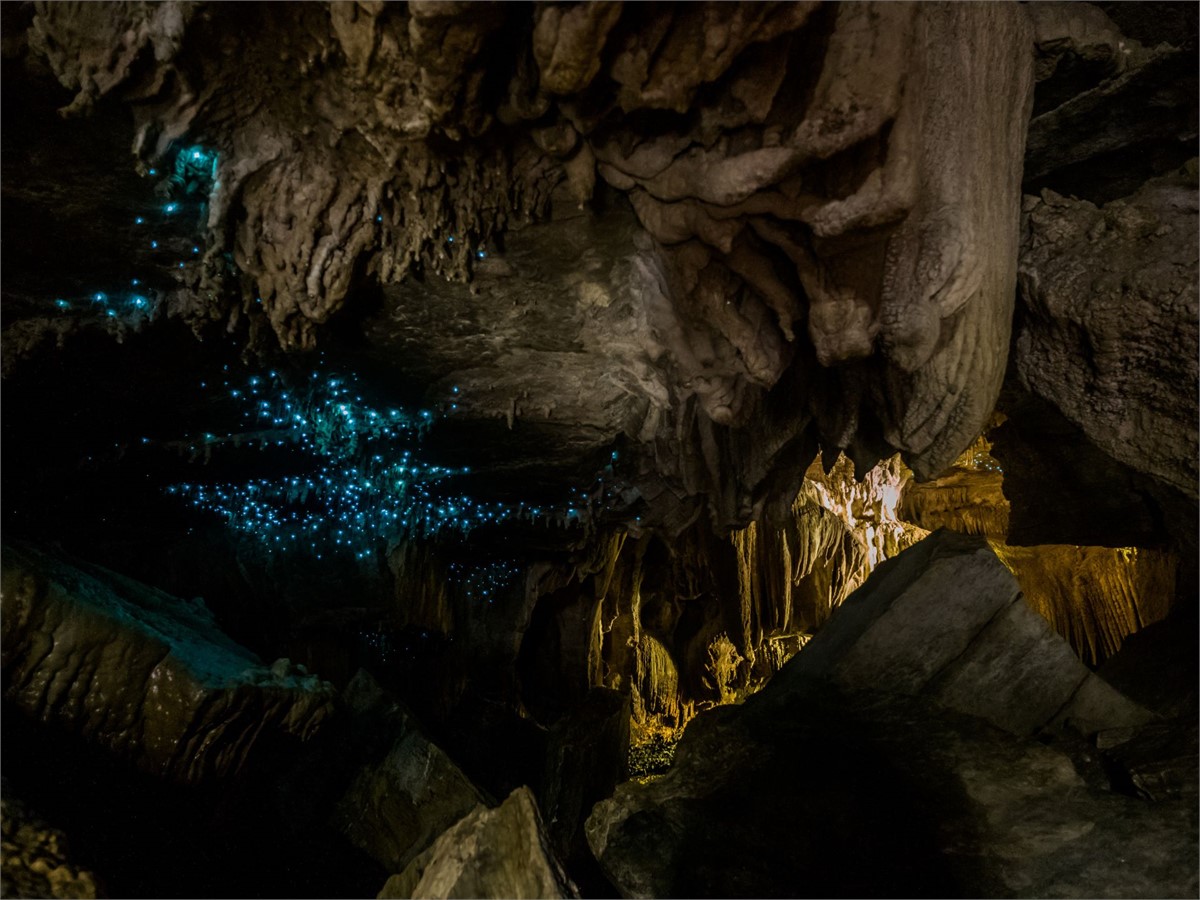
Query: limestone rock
point(1158, 759)
point(489, 853)
point(808, 791)
point(1093, 596)
point(1103, 290)
point(946, 620)
point(971, 502)
point(585, 760)
point(826, 200)
point(1093, 133)
point(144, 674)
point(866, 725)
point(398, 804)
point(35, 859)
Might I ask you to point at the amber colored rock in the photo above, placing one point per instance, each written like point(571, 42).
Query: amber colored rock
point(144, 674)
point(397, 805)
point(35, 858)
point(968, 501)
point(490, 853)
point(1094, 597)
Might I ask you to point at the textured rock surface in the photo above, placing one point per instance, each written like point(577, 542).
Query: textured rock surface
point(144, 674)
point(825, 197)
point(1159, 759)
point(1095, 597)
point(489, 853)
point(585, 760)
point(806, 792)
point(35, 860)
point(1103, 290)
point(397, 806)
point(1093, 133)
point(946, 620)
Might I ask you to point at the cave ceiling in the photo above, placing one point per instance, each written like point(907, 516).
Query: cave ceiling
point(681, 248)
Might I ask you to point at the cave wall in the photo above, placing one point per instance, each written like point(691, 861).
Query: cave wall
point(826, 195)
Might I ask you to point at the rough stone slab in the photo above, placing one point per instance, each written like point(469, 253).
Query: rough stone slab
point(807, 790)
point(145, 674)
point(397, 806)
point(489, 853)
point(945, 619)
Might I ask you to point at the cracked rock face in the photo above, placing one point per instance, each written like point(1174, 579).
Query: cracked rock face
point(825, 201)
point(146, 675)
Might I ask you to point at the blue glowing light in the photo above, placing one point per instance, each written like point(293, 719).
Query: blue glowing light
point(62, 304)
point(139, 301)
point(135, 282)
point(154, 171)
point(154, 245)
point(355, 481)
point(482, 254)
point(195, 249)
point(99, 297)
point(170, 208)
point(112, 313)
point(139, 221)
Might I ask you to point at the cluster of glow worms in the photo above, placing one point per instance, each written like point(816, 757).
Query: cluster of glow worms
point(195, 173)
point(485, 582)
point(362, 483)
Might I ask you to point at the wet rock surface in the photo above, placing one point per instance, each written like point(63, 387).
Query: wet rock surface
point(489, 853)
point(144, 674)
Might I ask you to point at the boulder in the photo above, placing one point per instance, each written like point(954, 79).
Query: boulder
point(945, 619)
point(585, 760)
point(501, 852)
point(895, 755)
point(1103, 290)
point(144, 674)
point(409, 793)
point(809, 790)
point(1160, 759)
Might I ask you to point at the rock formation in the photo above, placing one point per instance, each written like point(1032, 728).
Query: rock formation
point(36, 861)
point(1103, 289)
point(141, 673)
point(866, 705)
point(814, 203)
point(946, 620)
point(489, 853)
point(397, 806)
